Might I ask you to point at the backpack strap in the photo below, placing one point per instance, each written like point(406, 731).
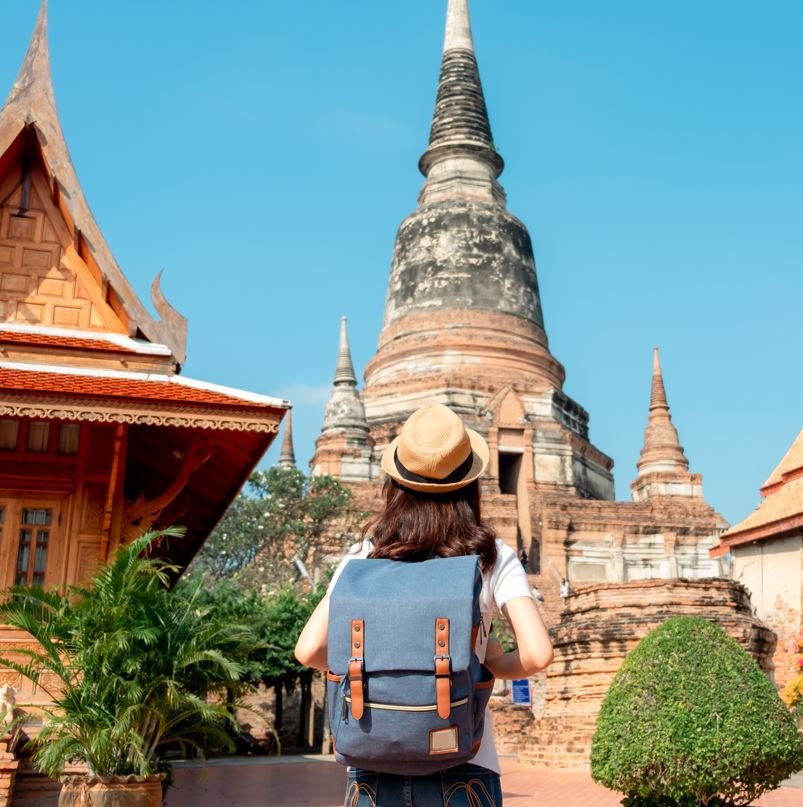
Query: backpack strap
point(443, 683)
point(357, 668)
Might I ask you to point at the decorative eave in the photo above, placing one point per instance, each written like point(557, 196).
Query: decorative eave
point(107, 396)
point(30, 110)
point(775, 529)
point(71, 339)
point(790, 467)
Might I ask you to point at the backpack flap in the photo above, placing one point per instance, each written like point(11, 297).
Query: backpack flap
point(399, 603)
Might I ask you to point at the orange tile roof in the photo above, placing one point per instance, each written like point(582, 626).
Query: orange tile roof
point(777, 509)
point(117, 387)
point(792, 461)
point(60, 341)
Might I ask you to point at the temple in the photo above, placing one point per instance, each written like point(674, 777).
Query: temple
point(464, 325)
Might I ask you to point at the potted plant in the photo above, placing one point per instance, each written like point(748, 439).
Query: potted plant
point(129, 667)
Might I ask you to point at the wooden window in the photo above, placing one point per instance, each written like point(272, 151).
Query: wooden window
point(9, 430)
point(38, 435)
point(69, 436)
point(34, 537)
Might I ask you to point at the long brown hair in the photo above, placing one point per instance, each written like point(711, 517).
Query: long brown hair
point(417, 526)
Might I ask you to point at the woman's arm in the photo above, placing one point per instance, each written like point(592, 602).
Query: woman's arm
point(534, 647)
point(312, 643)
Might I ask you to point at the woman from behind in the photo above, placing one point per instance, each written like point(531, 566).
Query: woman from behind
point(432, 509)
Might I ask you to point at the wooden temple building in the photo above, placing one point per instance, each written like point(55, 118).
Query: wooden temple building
point(101, 437)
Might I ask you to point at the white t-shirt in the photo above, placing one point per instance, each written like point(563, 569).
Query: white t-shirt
point(505, 581)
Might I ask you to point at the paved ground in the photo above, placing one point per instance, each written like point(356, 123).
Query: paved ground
point(318, 782)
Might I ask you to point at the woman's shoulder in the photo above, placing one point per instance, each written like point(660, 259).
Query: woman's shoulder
point(507, 561)
point(503, 553)
point(359, 550)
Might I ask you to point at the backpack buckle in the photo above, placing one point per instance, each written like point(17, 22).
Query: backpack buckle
point(442, 673)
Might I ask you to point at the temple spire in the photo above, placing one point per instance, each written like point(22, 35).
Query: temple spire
point(344, 446)
point(461, 159)
point(287, 458)
point(344, 373)
point(661, 450)
point(662, 467)
point(658, 392)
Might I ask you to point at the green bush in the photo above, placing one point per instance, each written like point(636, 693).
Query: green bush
point(690, 719)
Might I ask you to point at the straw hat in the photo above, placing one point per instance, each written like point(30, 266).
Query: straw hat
point(435, 452)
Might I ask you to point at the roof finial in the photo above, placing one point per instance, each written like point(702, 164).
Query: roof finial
point(458, 27)
point(344, 374)
point(287, 458)
point(34, 83)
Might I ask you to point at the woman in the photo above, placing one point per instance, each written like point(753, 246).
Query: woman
point(432, 509)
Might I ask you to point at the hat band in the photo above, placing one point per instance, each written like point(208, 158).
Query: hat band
point(455, 476)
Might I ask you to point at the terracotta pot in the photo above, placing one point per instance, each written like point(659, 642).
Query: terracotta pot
point(110, 791)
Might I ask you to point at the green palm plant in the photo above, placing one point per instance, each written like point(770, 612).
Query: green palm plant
point(131, 667)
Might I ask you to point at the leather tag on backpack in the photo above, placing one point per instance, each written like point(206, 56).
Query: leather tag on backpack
point(443, 741)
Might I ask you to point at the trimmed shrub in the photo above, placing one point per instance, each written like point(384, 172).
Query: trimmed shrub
point(690, 719)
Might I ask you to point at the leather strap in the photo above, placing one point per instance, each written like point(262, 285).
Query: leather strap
point(443, 682)
point(357, 668)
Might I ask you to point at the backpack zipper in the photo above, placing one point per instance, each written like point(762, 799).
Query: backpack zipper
point(396, 708)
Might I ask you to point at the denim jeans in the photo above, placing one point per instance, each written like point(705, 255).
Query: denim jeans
point(462, 786)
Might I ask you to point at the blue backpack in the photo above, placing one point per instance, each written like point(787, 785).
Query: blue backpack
point(406, 691)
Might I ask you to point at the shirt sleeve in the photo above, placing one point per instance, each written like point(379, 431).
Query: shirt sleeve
point(509, 578)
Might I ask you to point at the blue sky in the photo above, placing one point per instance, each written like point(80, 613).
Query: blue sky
point(263, 154)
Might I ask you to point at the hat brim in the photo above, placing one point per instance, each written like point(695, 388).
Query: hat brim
point(480, 453)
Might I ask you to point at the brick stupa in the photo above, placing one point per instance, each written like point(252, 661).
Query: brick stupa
point(464, 326)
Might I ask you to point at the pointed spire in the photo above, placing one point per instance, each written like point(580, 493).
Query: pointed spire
point(658, 392)
point(661, 451)
point(345, 409)
point(344, 374)
point(458, 27)
point(460, 126)
point(287, 458)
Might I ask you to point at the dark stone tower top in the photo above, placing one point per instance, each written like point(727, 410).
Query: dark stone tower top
point(461, 251)
point(460, 123)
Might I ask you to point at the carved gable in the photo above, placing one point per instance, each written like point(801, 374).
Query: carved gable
point(43, 279)
point(506, 408)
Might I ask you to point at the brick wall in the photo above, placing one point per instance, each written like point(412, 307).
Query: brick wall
point(597, 629)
